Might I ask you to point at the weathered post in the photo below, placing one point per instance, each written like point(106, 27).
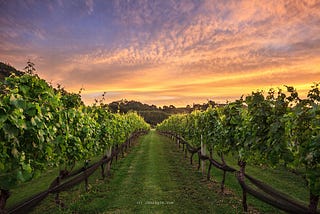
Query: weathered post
point(203, 152)
point(108, 165)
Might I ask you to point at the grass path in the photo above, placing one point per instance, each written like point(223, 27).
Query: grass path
point(152, 178)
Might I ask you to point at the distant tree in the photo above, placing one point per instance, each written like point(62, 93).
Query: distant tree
point(30, 69)
point(211, 103)
point(188, 108)
point(6, 70)
point(154, 117)
point(165, 108)
point(124, 106)
point(196, 106)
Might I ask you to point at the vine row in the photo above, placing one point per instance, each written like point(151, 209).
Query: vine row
point(280, 129)
point(42, 127)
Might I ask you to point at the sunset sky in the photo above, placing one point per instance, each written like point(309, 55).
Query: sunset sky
point(165, 52)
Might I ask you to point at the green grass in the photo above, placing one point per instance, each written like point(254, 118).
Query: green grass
point(152, 178)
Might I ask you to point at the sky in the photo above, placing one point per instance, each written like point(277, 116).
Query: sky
point(165, 52)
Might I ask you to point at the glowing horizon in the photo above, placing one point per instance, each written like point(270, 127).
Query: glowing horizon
point(165, 52)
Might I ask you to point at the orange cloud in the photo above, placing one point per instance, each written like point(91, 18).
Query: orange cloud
point(180, 52)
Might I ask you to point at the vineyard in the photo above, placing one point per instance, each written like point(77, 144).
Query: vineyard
point(42, 127)
point(272, 131)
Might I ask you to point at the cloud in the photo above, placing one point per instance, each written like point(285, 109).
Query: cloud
point(168, 48)
point(244, 44)
point(89, 4)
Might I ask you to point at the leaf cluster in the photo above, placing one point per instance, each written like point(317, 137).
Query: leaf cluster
point(42, 127)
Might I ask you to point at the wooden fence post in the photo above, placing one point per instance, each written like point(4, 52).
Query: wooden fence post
point(203, 152)
point(108, 165)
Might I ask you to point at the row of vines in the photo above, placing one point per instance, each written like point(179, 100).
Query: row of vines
point(43, 127)
point(277, 129)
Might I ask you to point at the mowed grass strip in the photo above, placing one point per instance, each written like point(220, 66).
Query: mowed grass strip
point(152, 178)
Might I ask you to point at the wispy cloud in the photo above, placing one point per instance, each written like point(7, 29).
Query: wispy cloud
point(162, 50)
point(89, 4)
